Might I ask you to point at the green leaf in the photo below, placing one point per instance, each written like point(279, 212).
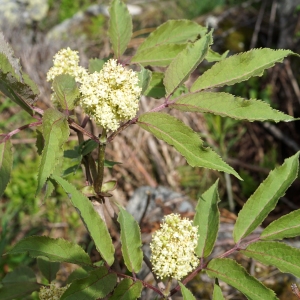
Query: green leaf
point(280, 255)
point(184, 139)
point(187, 295)
point(56, 132)
point(6, 162)
point(13, 82)
point(217, 295)
point(96, 64)
point(110, 163)
point(266, 197)
point(120, 27)
point(19, 283)
point(77, 274)
point(227, 105)
point(235, 275)
point(239, 67)
point(97, 284)
point(156, 88)
point(173, 32)
point(66, 90)
point(48, 268)
point(285, 227)
point(185, 63)
point(95, 225)
point(213, 56)
point(131, 241)
point(127, 289)
point(144, 79)
point(207, 219)
point(58, 250)
point(87, 147)
point(160, 56)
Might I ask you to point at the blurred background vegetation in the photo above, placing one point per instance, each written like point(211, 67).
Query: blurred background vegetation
point(37, 29)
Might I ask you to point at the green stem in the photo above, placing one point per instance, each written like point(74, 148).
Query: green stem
point(101, 158)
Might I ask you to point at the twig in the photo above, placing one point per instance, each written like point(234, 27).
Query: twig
point(272, 20)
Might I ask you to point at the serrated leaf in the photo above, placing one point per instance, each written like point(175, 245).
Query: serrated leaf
point(159, 56)
point(13, 82)
point(217, 294)
point(19, 283)
point(96, 64)
point(77, 274)
point(239, 67)
point(207, 218)
point(187, 295)
point(184, 139)
point(156, 88)
point(235, 275)
point(48, 268)
point(6, 162)
point(56, 132)
point(285, 227)
point(66, 90)
point(213, 56)
point(58, 250)
point(93, 222)
point(173, 32)
point(280, 255)
point(127, 289)
point(185, 63)
point(120, 27)
point(19, 275)
point(144, 79)
point(227, 105)
point(131, 241)
point(265, 198)
point(97, 284)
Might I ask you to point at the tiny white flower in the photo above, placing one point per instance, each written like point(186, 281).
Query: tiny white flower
point(173, 248)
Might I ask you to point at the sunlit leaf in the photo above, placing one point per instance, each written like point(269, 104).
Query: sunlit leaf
point(239, 67)
point(6, 161)
point(266, 197)
point(184, 139)
point(127, 289)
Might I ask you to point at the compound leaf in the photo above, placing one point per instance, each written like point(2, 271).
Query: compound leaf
point(184, 139)
point(266, 197)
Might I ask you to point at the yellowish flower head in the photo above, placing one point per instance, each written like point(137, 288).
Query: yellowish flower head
point(51, 292)
point(173, 248)
point(111, 95)
point(66, 62)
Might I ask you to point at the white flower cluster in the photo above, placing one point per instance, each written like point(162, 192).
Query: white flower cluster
point(51, 292)
point(111, 95)
point(66, 62)
point(173, 248)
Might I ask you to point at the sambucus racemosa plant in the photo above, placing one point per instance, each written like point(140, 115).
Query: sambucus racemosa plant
point(108, 93)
